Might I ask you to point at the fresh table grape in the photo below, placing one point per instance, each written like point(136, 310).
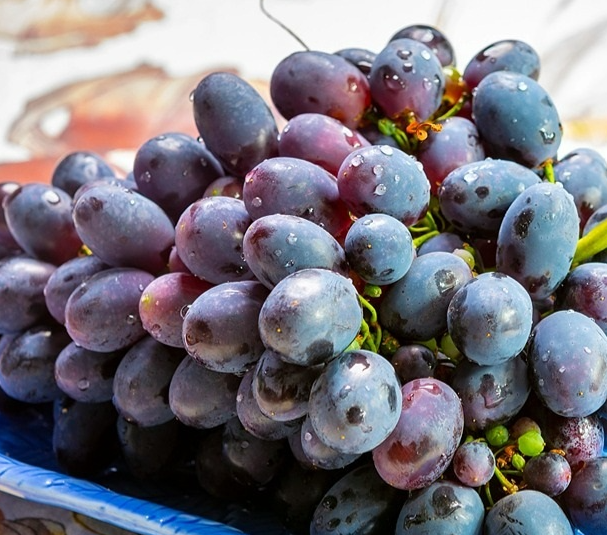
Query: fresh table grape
point(234, 121)
point(386, 180)
point(442, 508)
point(85, 375)
point(84, 438)
point(316, 453)
point(492, 394)
point(220, 327)
point(174, 169)
point(379, 248)
point(426, 436)
point(433, 38)
point(474, 463)
point(208, 239)
point(475, 196)
point(585, 290)
point(281, 389)
point(415, 307)
point(407, 79)
point(293, 186)
point(277, 245)
point(312, 81)
point(319, 139)
point(567, 358)
point(516, 118)
point(27, 363)
point(503, 55)
point(583, 173)
point(254, 421)
point(355, 402)
point(490, 318)
point(8, 245)
point(142, 381)
point(362, 58)
point(124, 228)
point(65, 279)
point(22, 282)
point(585, 500)
point(39, 217)
point(359, 502)
point(414, 361)
point(454, 146)
point(227, 186)
point(80, 167)
point(310, 316)
point(164, 303)
point(528, 511)
point(549, 472)
point(102, 313)
point(537, 238)
point(200, 397)
point(445, 241)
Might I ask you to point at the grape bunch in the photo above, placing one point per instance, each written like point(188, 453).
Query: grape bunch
point(375, 304)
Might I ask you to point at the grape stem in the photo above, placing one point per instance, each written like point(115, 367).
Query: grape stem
point(592, 243)
point(263, 9)
point(372, 339)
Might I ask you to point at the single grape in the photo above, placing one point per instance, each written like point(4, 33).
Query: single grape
point(548, 472)
point(433, 38)
point(80, 167)
point(414, 361)
point(474, 463)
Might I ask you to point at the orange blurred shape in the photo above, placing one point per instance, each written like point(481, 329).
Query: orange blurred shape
point(40, 26)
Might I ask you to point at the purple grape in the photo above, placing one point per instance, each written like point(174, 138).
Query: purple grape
point(585, 500)
point(516, 118)
point(567, 358)
point(548, 472)
point(474, 463)
point(310, 316)
point(277, 245)
point(78, 168)
point(442, 508)
point(39, 217)
point(102, 313)
point(445, 241)
point(359, 57)
point(379, 248)
point(165, 302)
point(85, 375)
point(173, 170)
point(202, 398)
point(208, 239)
point(382, 179)
point(235, 123)
point(407, 79)
point(490, 318)
point(428, 432)
point(220, 327)
point(319, 139)
point(288, 185)
point(528, 511)
point(226, 186)
point(355, 402)
point(312, 81)
point(433, 38)
point(414, 361)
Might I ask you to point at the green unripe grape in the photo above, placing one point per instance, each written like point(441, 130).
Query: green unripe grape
point(497, 436)
point(518, 461)
point(531, 443)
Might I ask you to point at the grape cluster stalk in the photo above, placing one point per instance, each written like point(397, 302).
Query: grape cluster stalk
point(388, 315)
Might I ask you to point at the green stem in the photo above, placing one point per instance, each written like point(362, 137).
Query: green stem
point(549, 172)
point(488, 495)
point(373, 323)
point(417, 242)
point(592, 243)
point(453, 110)
point(508, 486)
point(389, 128)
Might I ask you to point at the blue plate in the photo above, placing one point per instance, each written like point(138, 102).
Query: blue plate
point(28, 470)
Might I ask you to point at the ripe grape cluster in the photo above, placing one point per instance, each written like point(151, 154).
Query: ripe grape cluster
point(386, 315)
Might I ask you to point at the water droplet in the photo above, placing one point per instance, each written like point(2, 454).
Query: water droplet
point(426, 55)
point(343, 393)
point(83, 384)
point(191, 96)
point(132, 202)
point(505, 290)
point(419, 165)
point(540, 382)
point(291, 239)
point(587, 350)
point(184, 310)
point(290, 263)
point(357, 160)
point(141, 287)
point(146, 177)
point(380, 189)
point(545, 357)
point(408, 67)
point(394, 82)
point(378, 170)
point(310, 210)
point(239, 398)
point(396, 179)
point(404, 53)
point(547, 137)
point(131, 319)
point(562, 369)
point(256, 202)
point(386, 149)
point(51, 197)
point(522, 86)
point(427, 84)
point(353, 86)
point(277, 253)
point(470, 177)
point(367, 222)
point(307, 436)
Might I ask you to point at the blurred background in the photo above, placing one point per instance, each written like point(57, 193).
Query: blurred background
point(106, 75)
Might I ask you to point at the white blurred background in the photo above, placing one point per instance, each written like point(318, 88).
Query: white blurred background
point(40, 53)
